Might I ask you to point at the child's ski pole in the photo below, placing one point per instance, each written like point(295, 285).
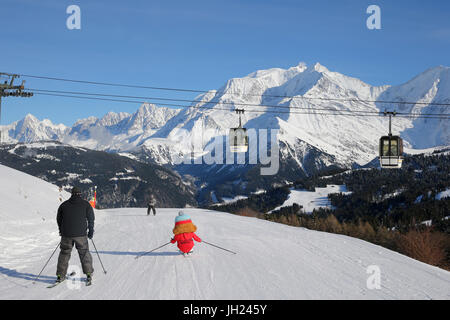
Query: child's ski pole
point(152, 250)
point(218, 247)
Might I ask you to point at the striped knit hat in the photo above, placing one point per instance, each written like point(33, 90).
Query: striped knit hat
point(182, 218)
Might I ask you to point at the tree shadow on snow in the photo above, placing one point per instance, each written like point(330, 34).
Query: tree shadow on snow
point(141, 253)
point(26, 276)
point(322, 201)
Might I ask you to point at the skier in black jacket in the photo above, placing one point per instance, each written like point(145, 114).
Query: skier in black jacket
point(75, 217)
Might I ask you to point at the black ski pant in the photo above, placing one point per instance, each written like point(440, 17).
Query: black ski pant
point(82, 246)
point(151, 208)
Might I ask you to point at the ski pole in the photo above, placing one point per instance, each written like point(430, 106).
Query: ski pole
point(218, 247)
point(98, 256)
point(34, 281)
point(152, 250)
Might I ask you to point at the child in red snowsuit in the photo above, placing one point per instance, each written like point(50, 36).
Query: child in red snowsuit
point(184, 233)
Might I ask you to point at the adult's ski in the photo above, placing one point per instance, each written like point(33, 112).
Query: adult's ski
point(62, 280)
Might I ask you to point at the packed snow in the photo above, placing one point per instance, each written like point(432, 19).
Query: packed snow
point(273, 261)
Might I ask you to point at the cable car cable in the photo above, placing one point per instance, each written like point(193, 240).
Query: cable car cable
point(337, 112)
point(216, 92)
point(219, 102)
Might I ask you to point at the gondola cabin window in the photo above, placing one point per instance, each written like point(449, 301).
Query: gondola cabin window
point(238, 140)
point(391, 151)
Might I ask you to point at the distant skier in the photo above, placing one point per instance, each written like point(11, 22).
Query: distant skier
point(184, 233)
point(75, 217)
point(151, 205)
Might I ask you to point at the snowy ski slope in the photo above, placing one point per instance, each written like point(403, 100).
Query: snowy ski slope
point(273, 261)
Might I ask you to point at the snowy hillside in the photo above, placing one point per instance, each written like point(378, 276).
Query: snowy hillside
point(312, 200)
point(121, 180)
point(273, 261)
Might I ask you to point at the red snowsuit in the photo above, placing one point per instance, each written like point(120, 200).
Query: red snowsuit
point(185, 242)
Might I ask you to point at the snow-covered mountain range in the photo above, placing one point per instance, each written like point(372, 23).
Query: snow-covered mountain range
point(112, 132)
point(309, 140)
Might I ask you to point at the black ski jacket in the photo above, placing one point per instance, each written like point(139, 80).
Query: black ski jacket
point(74, 217)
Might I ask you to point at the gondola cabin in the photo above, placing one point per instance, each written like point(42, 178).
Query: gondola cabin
point(238, 139)
point(239, 136)
point(391, 152)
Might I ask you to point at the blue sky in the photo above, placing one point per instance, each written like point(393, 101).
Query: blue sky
point(201, 44)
